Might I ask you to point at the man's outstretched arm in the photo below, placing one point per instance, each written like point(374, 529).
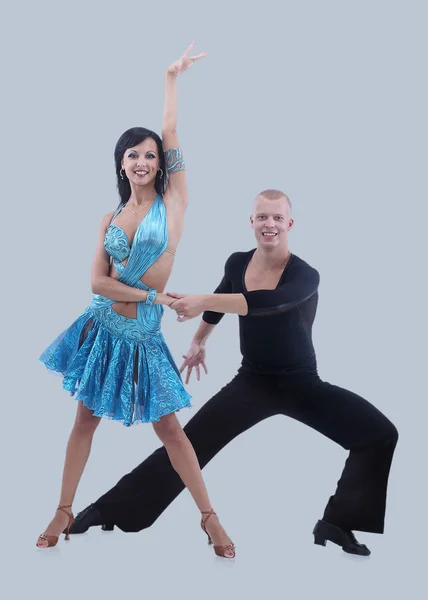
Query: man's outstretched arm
point(301, 284)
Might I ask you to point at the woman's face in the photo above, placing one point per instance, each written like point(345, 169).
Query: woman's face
point(141, 162)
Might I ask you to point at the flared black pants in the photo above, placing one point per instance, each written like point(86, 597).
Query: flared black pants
point(138, 499)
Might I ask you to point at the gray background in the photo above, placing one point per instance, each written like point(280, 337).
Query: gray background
point(325, 100)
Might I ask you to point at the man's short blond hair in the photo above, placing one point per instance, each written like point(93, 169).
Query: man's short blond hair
point(274, 195)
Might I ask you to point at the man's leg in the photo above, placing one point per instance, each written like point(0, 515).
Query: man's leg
point(138, 499)
point(346, 418)
point(359, 502)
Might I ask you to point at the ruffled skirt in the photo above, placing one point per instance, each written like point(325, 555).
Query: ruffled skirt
point(118, 371)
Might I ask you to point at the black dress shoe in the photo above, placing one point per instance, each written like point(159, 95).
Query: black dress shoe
point(89, 517)
point(324, 532)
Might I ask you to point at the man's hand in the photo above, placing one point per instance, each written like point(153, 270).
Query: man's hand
point(187, 307)
point(193, 359)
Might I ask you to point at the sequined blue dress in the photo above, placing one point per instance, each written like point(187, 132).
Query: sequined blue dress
point(123, 368)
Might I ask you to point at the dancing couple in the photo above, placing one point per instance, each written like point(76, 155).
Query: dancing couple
point(115, 361)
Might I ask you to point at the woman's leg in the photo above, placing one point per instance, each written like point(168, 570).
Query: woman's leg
point(184, 461)
point(77, 453)
point(142, 495)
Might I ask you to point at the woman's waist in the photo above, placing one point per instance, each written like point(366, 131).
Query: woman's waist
point(131, 310)
point(126, 309)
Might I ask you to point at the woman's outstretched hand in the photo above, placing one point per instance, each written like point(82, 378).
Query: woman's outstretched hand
point(185, 61)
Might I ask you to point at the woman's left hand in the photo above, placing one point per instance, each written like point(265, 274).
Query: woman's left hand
point(187, 307)
point(185, 61)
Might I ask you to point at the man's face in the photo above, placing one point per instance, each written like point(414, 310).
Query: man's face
point(271, 222)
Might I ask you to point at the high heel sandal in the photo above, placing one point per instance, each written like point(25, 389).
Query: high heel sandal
point(219, 550)
point(52, 540)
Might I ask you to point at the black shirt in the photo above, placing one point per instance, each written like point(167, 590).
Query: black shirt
point(276, 334)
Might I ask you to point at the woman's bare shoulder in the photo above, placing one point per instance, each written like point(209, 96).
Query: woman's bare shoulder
point(107, 218)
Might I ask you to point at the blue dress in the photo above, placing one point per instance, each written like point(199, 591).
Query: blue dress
point(123, 369)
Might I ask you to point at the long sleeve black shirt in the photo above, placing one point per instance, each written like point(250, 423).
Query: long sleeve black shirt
point(276, 334)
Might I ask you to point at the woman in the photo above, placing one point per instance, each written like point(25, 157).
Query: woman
point(114, 355)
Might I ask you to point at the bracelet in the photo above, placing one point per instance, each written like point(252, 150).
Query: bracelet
point(174, 161)
point(151, 296)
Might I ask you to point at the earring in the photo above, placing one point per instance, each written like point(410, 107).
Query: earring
point(121, 174)
point(161, 172)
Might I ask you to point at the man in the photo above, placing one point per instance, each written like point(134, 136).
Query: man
point(275, 294)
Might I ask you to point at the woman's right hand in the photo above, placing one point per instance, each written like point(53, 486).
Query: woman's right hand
point(164, 299)
point(193, 359)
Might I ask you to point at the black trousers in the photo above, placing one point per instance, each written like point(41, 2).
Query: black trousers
point(138, 499)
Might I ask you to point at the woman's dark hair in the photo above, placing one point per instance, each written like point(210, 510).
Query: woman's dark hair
point(129, 139)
